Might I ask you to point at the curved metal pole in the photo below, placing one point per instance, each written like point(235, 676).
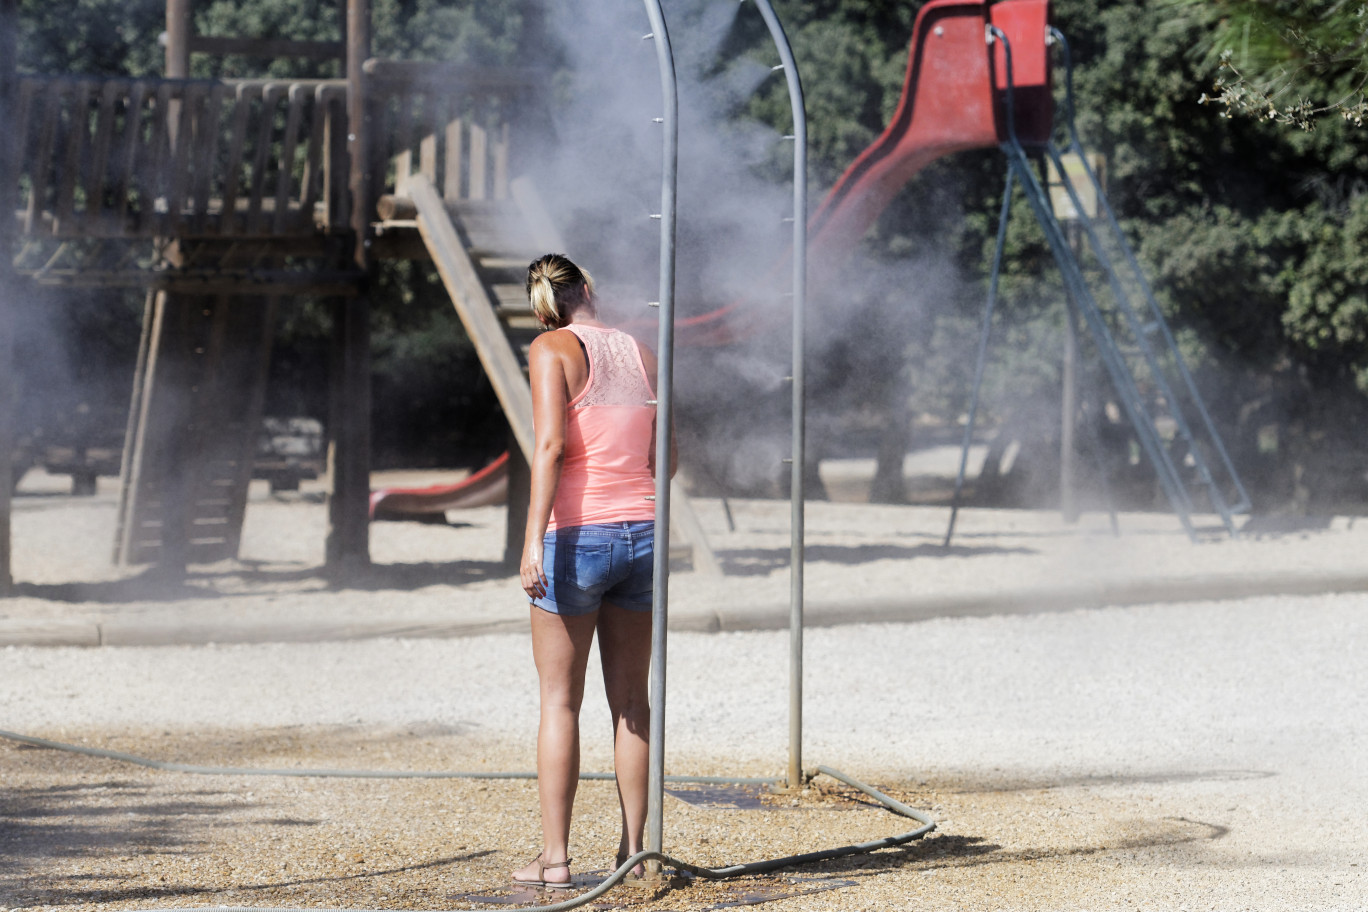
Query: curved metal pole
point(655, 799)
point(797, 487)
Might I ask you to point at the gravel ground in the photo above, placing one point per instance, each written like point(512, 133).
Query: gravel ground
point(1208, 755)
point(1198, 756)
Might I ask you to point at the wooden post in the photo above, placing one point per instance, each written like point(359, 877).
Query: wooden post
point(157, 474)
point(358, 138)
point(178, 466)
point(168, 461)
point(132, 429)
point(348, 543)
point(889, 485)
point(178, 26)
point(1073, 174)
point(9, 184)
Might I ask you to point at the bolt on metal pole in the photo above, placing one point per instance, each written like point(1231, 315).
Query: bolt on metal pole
point(655, 800)
point(797, 487)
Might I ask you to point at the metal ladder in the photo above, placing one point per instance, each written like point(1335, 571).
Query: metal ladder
point(1194, 462)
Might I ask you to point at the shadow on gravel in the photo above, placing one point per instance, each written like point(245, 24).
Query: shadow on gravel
point(952, 851)
point(404, 577)
point(111, 819)
point(760, 561)
point(343, 878)
point(373, 578)
point(57, 895)
point(149, 586)
point(1281, 526)
point(155, 585)
point(98, 842)
point(956, 851)
point(694, 894)
point(1170, 831)
point(1057, 782)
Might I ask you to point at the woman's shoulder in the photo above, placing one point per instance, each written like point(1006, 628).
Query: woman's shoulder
point(554, 341)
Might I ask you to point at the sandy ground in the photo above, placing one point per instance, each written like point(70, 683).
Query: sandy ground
point(1201, 755)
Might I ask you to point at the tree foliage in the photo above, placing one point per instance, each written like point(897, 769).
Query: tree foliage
point(99, 37)
point(122, 37)
point(1288, 61)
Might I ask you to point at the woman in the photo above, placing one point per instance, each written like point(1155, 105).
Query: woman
point(589, 548)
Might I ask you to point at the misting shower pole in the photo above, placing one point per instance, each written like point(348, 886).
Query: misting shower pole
point(797, 490)
point(655, 821)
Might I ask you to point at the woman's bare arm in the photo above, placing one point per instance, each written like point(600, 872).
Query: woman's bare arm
point(549, 397)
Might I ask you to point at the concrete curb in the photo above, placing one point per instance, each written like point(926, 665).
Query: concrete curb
point(49, 633)
point(170, 633)
point(165, 633)
point(729, 618)
point(1038, 601)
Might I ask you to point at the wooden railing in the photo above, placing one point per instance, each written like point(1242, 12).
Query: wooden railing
point(180, 158)
point(452, 124)
point(197, 158)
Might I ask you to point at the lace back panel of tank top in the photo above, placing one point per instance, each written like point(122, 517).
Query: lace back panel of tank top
point(618, 378)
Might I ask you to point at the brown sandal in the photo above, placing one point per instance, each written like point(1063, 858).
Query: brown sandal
point(541, 875)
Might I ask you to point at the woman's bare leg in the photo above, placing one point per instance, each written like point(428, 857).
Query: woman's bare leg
point(625, 648)
point(560, 648)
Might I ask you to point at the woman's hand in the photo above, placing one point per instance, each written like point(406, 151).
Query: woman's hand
point(533, 576)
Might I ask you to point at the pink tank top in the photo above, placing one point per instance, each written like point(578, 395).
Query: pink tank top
point(605, 476)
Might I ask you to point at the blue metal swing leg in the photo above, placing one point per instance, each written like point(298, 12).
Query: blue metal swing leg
point(984, 333)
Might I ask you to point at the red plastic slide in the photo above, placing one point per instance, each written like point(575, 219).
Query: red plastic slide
point(485, 487)
point(953, 99)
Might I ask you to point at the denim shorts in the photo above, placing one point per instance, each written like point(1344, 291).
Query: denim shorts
point(588, 565)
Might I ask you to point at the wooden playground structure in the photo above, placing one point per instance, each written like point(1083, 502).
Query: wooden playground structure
point(224, 197)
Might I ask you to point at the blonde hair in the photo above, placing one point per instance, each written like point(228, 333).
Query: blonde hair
point(557, 288)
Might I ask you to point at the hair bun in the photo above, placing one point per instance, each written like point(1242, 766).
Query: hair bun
point(556, 288)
